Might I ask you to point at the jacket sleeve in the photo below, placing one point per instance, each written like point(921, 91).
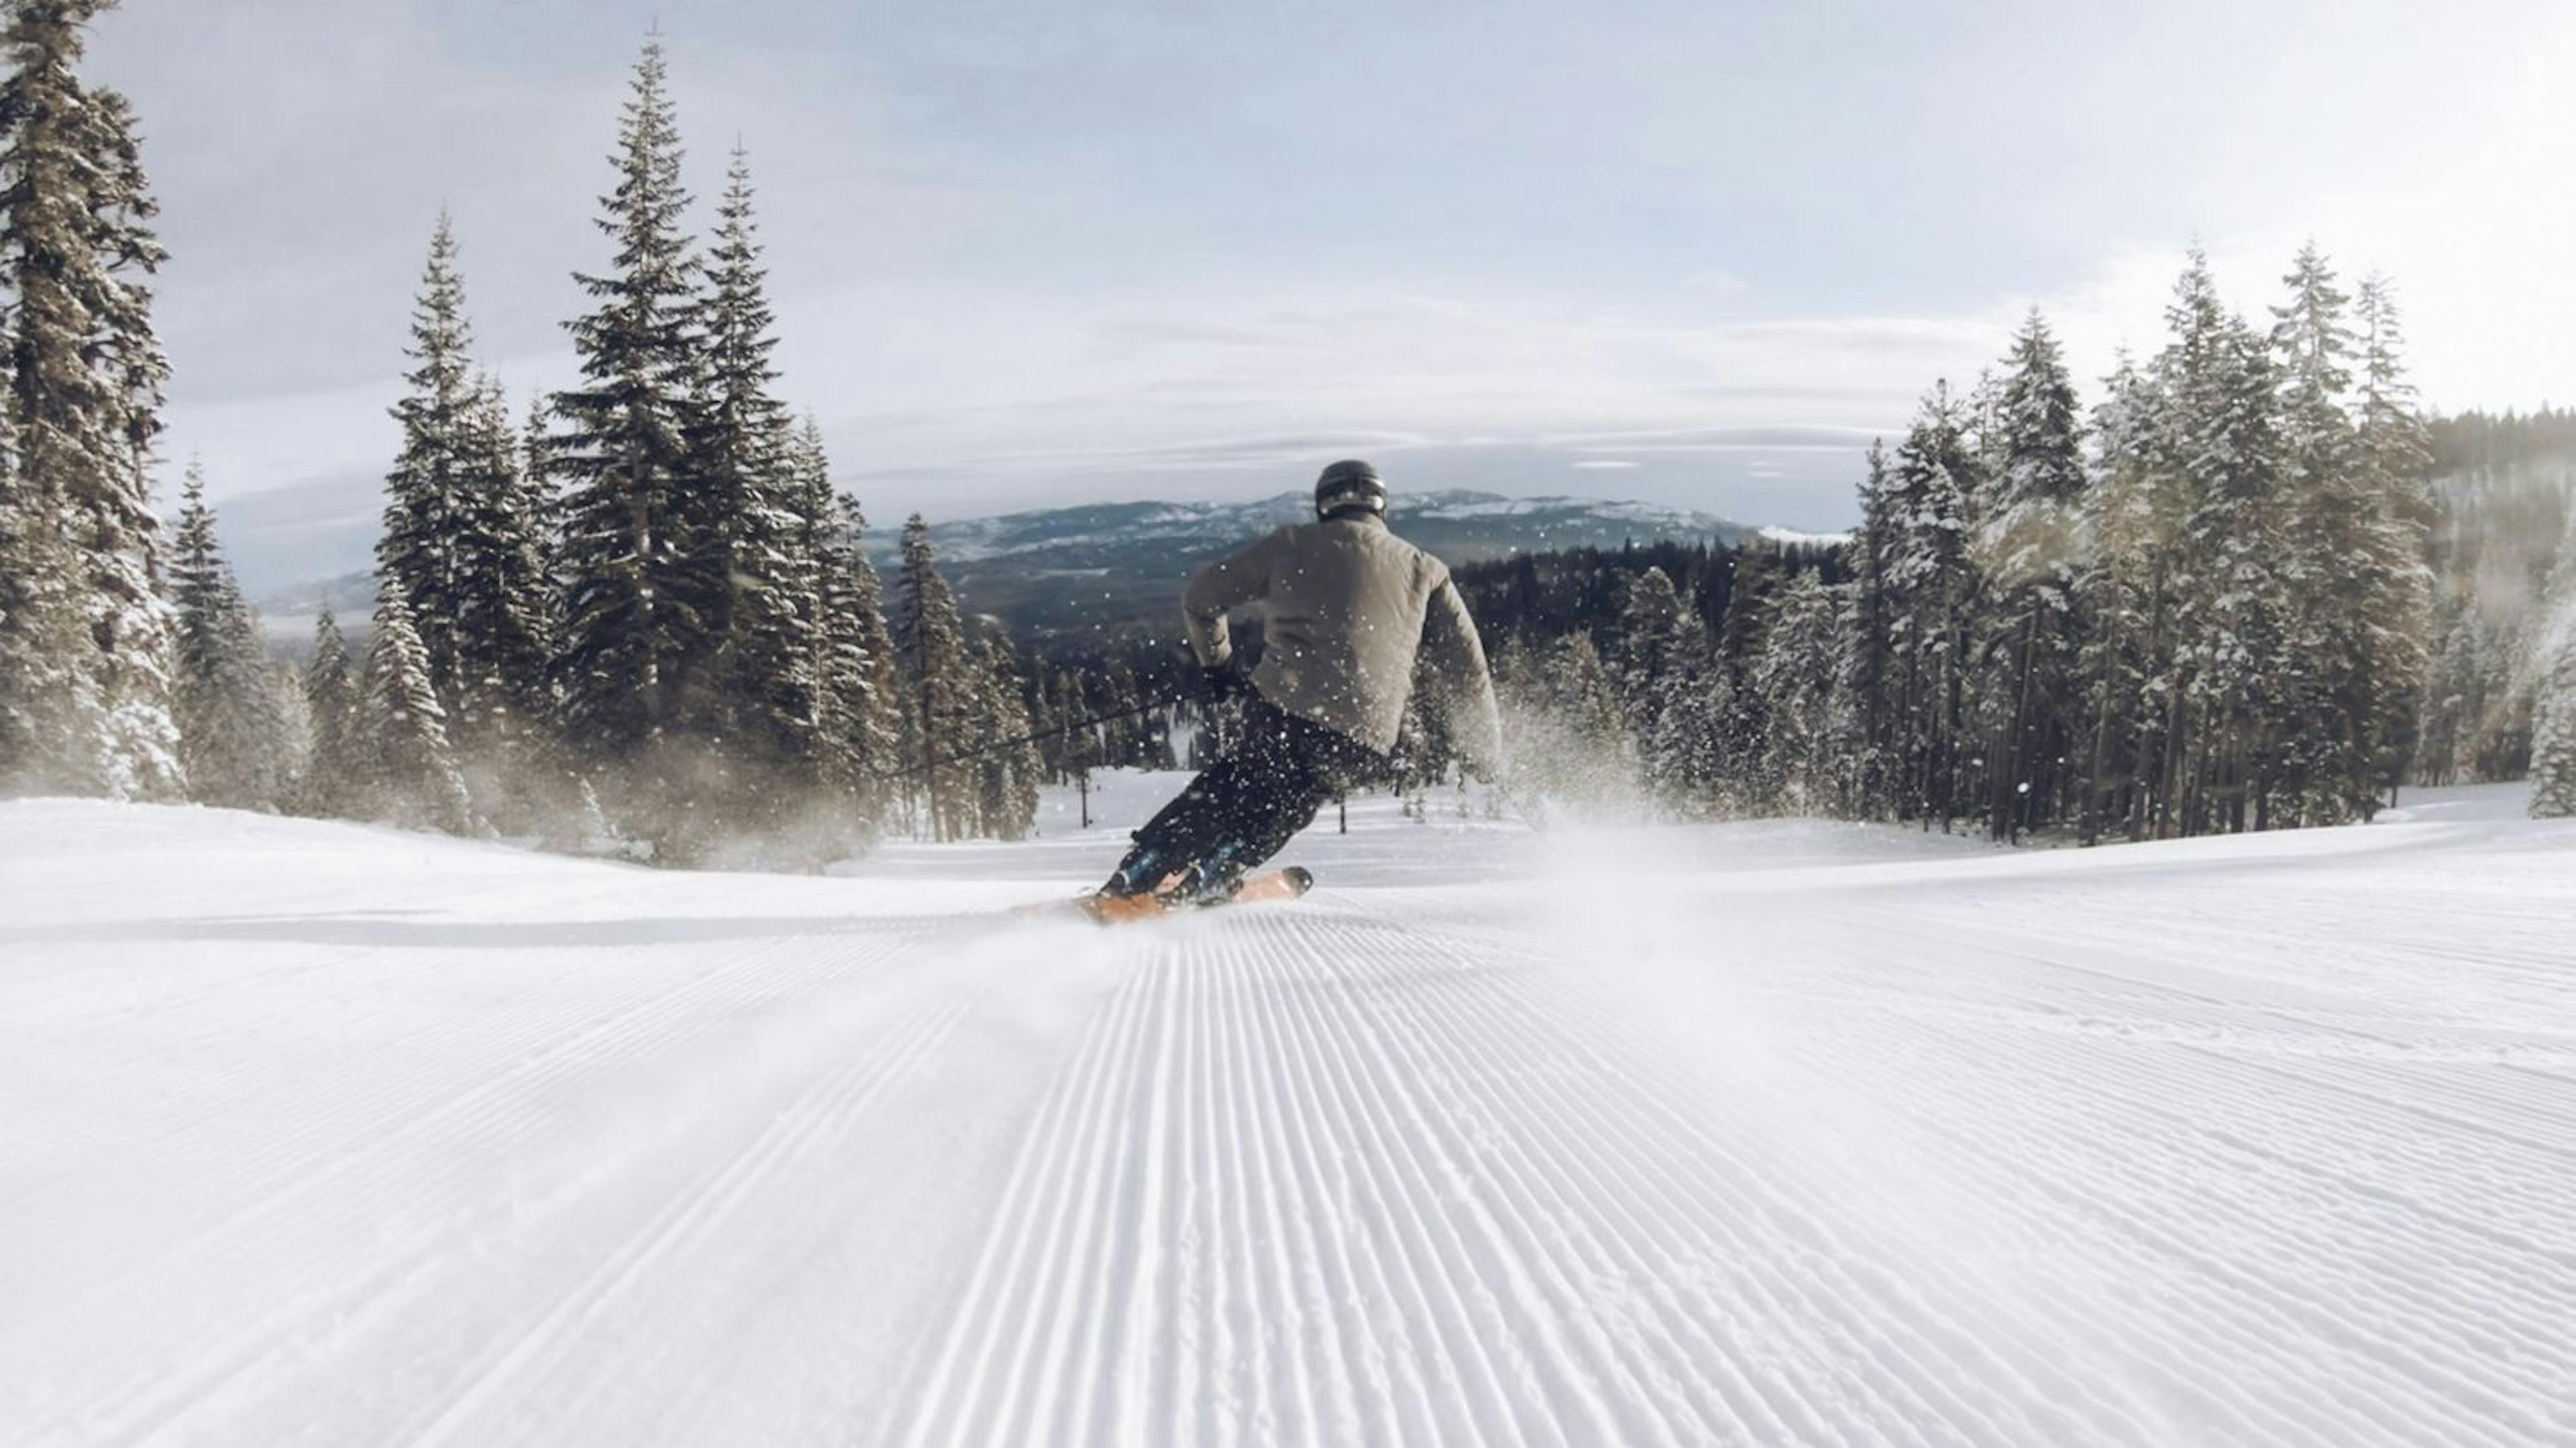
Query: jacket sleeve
point(1458, 658)
point(1221, 587)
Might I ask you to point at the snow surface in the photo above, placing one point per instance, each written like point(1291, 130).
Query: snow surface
point(1785, 1132)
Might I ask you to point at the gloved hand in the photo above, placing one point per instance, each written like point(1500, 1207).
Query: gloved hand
point(1219, 683)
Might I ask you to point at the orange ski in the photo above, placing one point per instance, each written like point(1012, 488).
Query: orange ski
point(1263, 889)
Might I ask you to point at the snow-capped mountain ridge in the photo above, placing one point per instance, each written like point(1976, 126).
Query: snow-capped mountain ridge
point(975, 539)
point(1108, 563)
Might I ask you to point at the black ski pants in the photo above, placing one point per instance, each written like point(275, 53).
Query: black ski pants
point(1246, 807)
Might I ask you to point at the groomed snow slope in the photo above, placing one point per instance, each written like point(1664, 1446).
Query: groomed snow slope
point(1765, 1134)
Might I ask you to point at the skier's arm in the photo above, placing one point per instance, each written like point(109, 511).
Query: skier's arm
point(1221, 587)
point(1459, 657)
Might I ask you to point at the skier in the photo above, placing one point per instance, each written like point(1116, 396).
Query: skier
point(1346, 607)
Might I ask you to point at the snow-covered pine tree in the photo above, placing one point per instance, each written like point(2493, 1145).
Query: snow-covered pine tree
point(2396, 460)
point(233, 735)
point(49, 714)
point(536, 463)
point(1759, 572)
point(2231, 608)
point(2553, 745)
point(757, 530)
point(334, 769)
point(1985, 662)
point(1072, 753)
point(503, 620)
point(1139, 737)
point(1006, 763)
point(1564, 729)
point(85, 648)
point(426, 489)
point(410, 771)
point(2502, 508)
point(641, 604)
point(860, 694)
point(2442, 725)
point(201, 597)
point(463, 535)
point(878, 742)
point(1848, 750)
point(940, 690)
point(1796, 674)
point(2121, 591)
point(2330, 516)
point(1931, 492)
point(2553, 740)
point(2027, 551)
point(843, 676)
point(1870, 553)
point(2478, 709)
point(1666, 673)
point(1602, 759)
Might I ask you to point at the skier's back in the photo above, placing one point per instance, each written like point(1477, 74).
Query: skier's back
point(1347, 609)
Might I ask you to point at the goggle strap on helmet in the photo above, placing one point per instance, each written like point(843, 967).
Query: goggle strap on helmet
point(1347, 485)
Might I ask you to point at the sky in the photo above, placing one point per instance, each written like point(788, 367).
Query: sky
point(1025, 252)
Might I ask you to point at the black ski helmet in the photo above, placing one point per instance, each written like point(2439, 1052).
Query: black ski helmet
point(1349, 484)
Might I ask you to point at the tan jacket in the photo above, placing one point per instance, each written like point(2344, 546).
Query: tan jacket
point(1346, 606)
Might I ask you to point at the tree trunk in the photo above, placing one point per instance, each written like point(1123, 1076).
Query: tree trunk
point(2006, 823)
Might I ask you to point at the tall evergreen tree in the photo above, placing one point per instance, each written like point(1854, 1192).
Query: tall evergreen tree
point(427, 488)
point(2332, 522)
point(1074, 750)
point(878, 741)
point(2122, 592)
point(2553, 746)
point(757, 531)
point(1676, 696)
point(503, 621)
point(1006, 765)
point(858, 696)
point(464, 537)
point(1931, 589)
point(2231, 612)
point(642, 605)
point(334, 770)
point(844, 676)
point(932, 636)
point(85, 647)
point(2396, 460)
point(2027, 550)
point(536, 464)
point(1872, 551)
point(411, 774)
point(233, 732)
point(1806, 720)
